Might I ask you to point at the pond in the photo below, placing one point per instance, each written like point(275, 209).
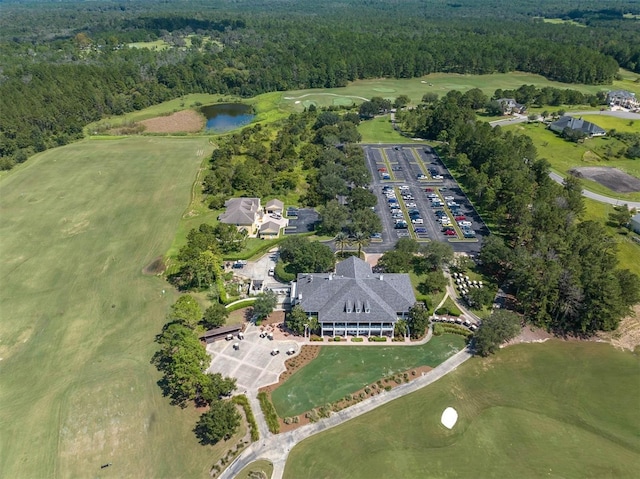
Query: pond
point(227, 116)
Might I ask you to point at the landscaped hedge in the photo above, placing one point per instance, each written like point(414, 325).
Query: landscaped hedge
point(439, 329)
point(281, 274)
point(269, 412)
point(378, 339)
point(240, 305)
point(243, 401)
point(357, 340)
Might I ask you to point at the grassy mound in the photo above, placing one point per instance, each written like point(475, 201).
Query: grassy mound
point(540, 410)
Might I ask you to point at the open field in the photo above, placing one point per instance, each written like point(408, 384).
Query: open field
point(79, 318)
point(338, 371)
point(628, 250)
point(564, 155)
point(185, 121)
point(380, 130)
point(157, 45)
point(536, 410)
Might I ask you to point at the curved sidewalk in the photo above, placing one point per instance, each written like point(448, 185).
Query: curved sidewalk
point(276, 448)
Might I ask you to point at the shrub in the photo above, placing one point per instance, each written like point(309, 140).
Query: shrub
point(387, 388)
point(357, 340)
point(243, 401)
point(269, 412)
point(378, 339)
point(281, 274)
point(337, 339)
point(316, 338)
point(367, 390)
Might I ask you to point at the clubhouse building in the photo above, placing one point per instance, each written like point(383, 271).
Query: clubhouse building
point(354, 301)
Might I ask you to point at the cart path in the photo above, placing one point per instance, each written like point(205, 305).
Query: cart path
point(276, 448)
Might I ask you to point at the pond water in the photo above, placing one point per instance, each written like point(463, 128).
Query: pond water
point(227, 116)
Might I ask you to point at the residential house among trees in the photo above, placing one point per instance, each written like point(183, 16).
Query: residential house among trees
point(354, 300)
point(509, 106)
point(623, 98)
point(247, 214)
point(634, 224)
point(578, 125)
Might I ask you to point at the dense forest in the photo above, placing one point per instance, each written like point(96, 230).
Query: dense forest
point(66, 64)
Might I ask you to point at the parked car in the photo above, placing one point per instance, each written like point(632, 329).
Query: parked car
point(429, 190)
point(461, 218)
point(469, 234)
point(464, 223)
point(382, 170)
point(403, 187)
point(375, 236)
point(449, 198)
point(450, 233)
point(417, 221)
point(271, 272)
point(438, 177)
point(421, 176)
point(410, 205)
point(397, 216)
point(432, 195)
point(420, 229)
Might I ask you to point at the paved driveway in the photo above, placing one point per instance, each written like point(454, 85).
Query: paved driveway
point(252, 364)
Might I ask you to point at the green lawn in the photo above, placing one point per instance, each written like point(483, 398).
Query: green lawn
point(260, 465)
point(340, 370)
point(79, 318)
point(558, 409)
point(564, 155)
point(628, 250)
point(379, 130)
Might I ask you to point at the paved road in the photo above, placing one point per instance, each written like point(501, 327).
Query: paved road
point(601, 198)
point(276, 448)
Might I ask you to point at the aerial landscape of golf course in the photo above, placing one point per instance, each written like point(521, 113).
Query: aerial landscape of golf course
point(266, 240)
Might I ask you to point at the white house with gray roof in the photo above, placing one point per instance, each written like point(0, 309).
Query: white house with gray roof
point(247, 214)
point(354, 301)
point(623, 98)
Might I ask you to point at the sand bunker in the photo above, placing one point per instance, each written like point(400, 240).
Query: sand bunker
point(612, 178)
point(186, 121)
point(449, 418)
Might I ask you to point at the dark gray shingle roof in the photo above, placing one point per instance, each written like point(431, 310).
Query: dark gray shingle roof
point(576, 124)
point(355, 293)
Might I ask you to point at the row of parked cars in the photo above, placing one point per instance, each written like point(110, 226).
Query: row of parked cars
point(456, 211)
point(415, 217)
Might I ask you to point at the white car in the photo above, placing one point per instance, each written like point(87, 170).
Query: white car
point(438, 177)
point(432, 195)
point(452, 203)
point(449, 198)
point(403, 187)
point(464, 223)
point(418, 221)
point(410, 205)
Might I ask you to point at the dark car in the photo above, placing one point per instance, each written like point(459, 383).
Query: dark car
point(420, 230)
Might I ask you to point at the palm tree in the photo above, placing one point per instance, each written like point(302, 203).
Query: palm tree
point(362, 240)
point(342, 239)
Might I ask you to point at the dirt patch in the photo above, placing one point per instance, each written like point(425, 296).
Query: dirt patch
point(530, 334)
point(612, 178)
point(627, 336)
point(156, 267)
point(186, 121)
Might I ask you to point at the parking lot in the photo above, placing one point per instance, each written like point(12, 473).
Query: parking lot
point(301, 220)
point(252, 363)
point(418, 198)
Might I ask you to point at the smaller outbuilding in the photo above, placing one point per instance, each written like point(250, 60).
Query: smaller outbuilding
point(623, 98)
point(220, 333)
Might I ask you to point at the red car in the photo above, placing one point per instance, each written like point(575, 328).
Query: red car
point(429, 190)
point(382, 170)
point(450, 233)
point(460, 218)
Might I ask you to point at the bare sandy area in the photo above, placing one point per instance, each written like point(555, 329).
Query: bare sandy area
point(627, 336)
point(612, 178)
point(186, 121)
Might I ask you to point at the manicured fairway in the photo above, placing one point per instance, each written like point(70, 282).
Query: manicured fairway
point(78, 317)
point(340, 370)
point(565, 410)
point(380, 130)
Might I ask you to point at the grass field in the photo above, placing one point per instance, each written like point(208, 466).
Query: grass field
point(338, 371)
point(79, 318)
point(380, 130)
point(564, 155)
point(565, 410)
